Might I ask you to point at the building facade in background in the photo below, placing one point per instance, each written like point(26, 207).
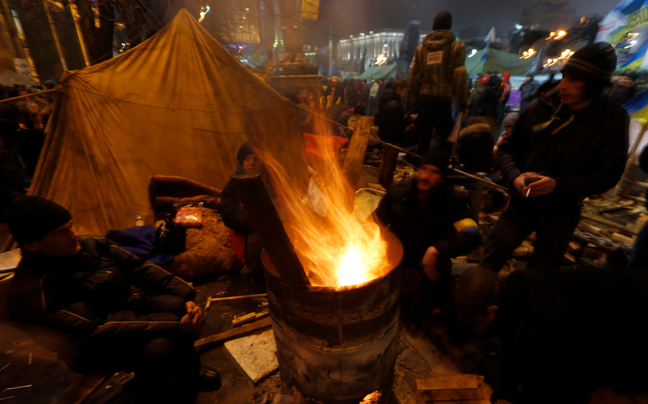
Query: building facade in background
point(42, 38)
point(359, 52)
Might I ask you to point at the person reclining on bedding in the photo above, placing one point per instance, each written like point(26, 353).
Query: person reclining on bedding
point(120, 312)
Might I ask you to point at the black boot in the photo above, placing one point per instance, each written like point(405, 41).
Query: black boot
point(209, 379)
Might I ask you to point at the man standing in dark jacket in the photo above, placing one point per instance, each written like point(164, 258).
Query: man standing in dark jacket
point(560, 151)
point(434, 222)
point(120, 312)
point(563, 333)
point(438, 73)
point(390, 118)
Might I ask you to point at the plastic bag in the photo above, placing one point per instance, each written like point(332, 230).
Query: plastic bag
point(189, 216)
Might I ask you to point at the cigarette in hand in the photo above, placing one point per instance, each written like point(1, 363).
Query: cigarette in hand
point(528, 192)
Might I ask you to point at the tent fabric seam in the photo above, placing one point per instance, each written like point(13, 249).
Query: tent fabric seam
point(178, 108)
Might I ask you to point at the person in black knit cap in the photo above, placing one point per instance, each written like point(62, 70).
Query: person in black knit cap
point(565, 146)
point(435, 223)
point(120, 312)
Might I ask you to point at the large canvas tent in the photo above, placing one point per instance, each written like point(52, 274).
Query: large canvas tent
point(177, 104)
point(493, 60)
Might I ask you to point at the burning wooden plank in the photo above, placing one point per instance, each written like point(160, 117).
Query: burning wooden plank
point(352, 165)
point(265, 219)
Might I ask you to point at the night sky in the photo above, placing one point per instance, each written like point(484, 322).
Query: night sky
point(348, 17)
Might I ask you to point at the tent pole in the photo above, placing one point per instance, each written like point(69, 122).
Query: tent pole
point(28, 95)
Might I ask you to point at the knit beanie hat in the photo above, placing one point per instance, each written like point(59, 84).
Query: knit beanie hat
point(443, 20)
point(436, 157)
point(594, 63)
point(32, 217)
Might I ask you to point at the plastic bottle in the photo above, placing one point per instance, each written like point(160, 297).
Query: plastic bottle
point(138, 219)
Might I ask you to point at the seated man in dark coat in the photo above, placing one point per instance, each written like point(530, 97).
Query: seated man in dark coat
point(434, 222)
point(121, 313)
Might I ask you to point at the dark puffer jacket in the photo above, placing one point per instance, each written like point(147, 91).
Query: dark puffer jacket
point(584, 152)
point(104, 296)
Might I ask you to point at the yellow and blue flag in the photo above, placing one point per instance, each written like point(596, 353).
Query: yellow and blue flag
point(637, 107)
point(635, 62)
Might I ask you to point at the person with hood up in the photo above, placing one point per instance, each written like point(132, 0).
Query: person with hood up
point(438, 74)
point(244, 240)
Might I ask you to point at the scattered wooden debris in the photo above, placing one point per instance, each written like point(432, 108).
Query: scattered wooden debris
point(377, 187)
point(248, 318)
point(213, 340)
point(211, 300)
point(525, 249)
point(455, 389)
point(26, 386)
point(403, 172)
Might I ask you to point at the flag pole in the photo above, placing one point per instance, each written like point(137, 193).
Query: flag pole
point(632, 156)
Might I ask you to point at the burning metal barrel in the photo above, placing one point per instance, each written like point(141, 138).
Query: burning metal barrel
point(337, 345)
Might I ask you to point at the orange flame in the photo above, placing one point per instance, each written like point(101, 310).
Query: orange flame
point(335, 248)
